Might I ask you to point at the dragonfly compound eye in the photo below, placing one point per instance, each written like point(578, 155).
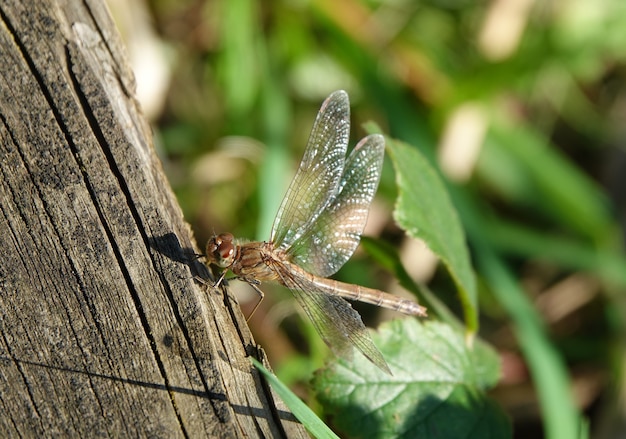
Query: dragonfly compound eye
point(226, 252)
point(220, 250)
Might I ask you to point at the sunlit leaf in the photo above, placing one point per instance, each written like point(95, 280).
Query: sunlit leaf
point(437, 388)
point(425, 211)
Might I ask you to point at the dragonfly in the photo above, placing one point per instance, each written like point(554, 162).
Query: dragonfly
point(317, 229)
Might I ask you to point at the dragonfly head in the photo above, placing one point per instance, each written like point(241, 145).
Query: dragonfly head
point(220, 250)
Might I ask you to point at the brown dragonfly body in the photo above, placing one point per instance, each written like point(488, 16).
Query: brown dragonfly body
point(261, 262)
point(316, 230)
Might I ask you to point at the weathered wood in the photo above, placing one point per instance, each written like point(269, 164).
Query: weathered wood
point(104, 331)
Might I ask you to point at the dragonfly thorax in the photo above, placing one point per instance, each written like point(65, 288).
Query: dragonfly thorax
point(220, 250)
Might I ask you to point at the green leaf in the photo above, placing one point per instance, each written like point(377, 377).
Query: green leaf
point(305, 415)
point(437, 387)
point(425, 211)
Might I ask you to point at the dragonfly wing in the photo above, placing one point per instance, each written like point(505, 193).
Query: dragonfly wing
point(334, 237)
point(319, 172)
point(339, 325)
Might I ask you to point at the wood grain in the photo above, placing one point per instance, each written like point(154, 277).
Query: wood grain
point(103, 330)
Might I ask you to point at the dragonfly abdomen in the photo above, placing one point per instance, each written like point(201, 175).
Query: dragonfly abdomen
point(367, 295)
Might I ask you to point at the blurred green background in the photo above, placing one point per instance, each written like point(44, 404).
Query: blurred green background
point(522, 107)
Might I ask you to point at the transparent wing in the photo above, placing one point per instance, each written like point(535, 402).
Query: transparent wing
point(319, 173)
point(332, 239)
point(339, 325)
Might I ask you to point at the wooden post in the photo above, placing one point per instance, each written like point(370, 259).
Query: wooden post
point(103, 329)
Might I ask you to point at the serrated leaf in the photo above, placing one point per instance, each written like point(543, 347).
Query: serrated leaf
point(424, 210)
point(437, 388)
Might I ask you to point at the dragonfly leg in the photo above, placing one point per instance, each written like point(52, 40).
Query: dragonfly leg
point(221, 279)
point(205, 282)
point(255, 285)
